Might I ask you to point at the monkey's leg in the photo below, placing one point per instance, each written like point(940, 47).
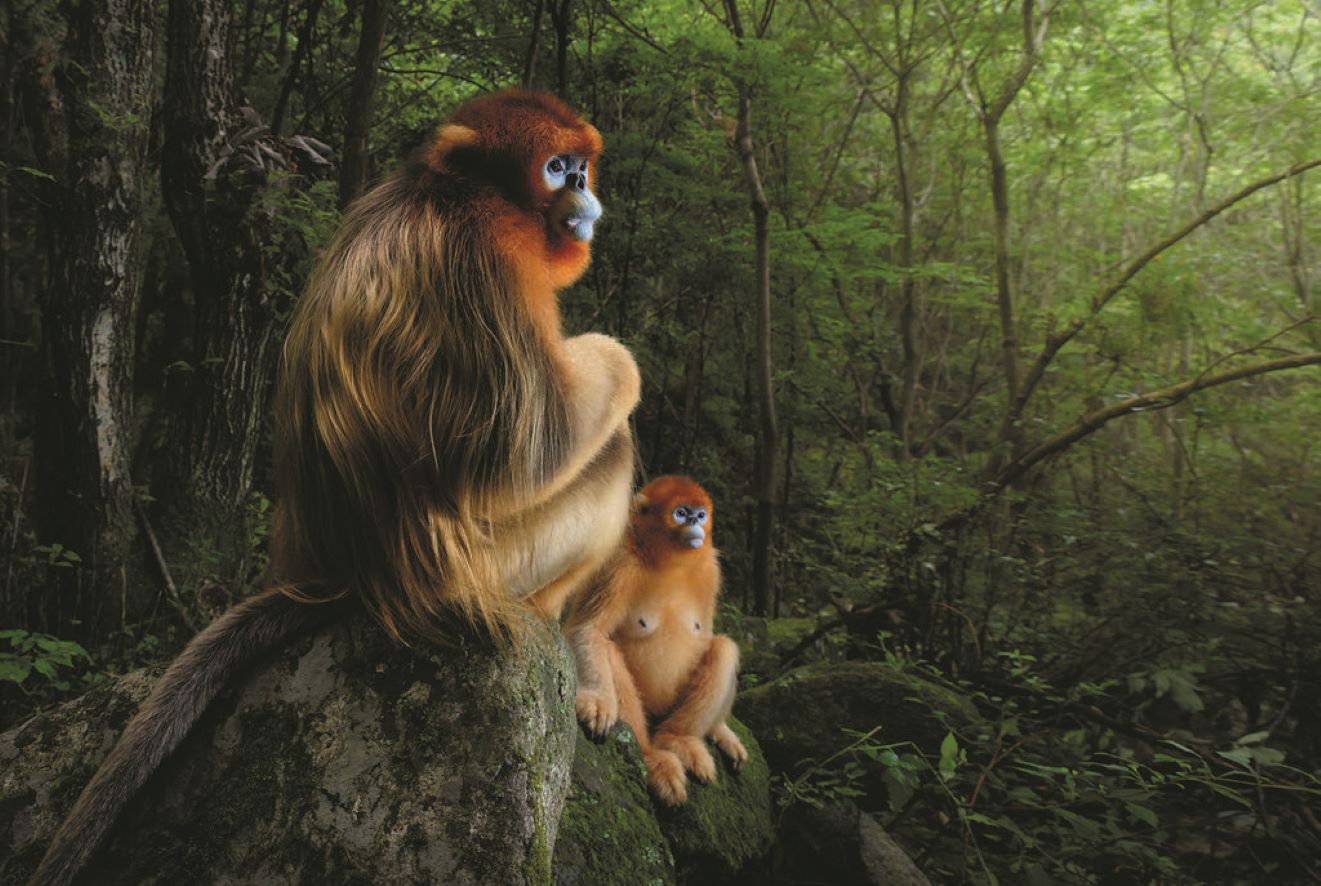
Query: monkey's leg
point(704, 703)
point(664, 769)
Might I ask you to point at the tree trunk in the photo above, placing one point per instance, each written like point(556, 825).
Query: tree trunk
point(533, 45)
point(97, 154)
point(768, 431)
point(353, 169)
point(214, 188)
point(559, 14)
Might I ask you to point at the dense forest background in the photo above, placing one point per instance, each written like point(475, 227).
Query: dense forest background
point(991, 326)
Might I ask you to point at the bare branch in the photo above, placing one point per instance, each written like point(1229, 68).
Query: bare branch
point(1161, 399)
point(1057, 340)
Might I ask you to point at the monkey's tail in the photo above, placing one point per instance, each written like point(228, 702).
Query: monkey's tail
point(178, 701)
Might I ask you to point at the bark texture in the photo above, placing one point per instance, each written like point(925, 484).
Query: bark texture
point(362, 101)
point(221, 172)
point(96, 119)
point(768, 433)
point(343, 759)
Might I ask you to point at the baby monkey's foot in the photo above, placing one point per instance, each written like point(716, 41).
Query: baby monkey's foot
point(692, 751)
point(728, 742)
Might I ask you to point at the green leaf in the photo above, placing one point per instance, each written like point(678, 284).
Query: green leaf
point(949, 756)
point(1143, 814)
point(15, 670)
point(1241, 756)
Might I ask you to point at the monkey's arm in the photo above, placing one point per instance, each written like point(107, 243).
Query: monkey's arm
point(602, 610)
point(604, 387)
point(557, 540)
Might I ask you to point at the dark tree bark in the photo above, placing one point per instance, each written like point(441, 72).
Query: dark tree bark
point(533, 45)
point(362, 100)
point(559, 15)
point(302, 52)
point(768, 435)
point(215, 184)
point(95, 147)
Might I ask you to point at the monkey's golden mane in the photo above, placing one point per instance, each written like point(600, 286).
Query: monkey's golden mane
point(421, 401)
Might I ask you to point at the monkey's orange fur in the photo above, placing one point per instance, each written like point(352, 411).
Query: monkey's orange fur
point(645, 645)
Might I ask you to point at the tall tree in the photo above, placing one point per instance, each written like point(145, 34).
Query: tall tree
point(768, 436)
point(990, 107)
point(216, 170)
point(94, 143)
point(353, 168)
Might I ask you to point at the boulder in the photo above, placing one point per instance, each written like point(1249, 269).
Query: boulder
point(804, 713)
point(614, 832)
point(837, 843)
point(342, 758)
point(608, 832)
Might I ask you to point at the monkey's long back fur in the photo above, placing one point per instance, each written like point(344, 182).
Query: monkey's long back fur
point(178, 701)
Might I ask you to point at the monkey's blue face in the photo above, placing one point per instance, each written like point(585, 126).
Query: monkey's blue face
point(576, 209)
point(690, 519)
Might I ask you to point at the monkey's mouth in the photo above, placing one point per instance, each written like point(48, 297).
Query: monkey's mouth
point(693, 536)
point(579, 227)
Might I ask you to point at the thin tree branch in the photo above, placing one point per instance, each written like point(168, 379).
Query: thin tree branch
point(1057, 340)
point(1161, 399)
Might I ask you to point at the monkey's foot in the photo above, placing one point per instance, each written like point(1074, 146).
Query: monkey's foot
point(597, 710)
point(692, 751)
point(728, 742)
point(665, 775)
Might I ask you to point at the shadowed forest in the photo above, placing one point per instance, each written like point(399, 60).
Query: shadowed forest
point(991, 326)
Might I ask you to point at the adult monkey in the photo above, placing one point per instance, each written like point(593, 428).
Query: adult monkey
point(441, 448)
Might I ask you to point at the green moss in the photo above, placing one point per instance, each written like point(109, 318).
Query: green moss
point(724, 825)
point(608, 833)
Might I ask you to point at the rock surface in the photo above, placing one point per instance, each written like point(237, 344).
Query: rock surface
point(343, 758)
point(804, 713)
point(613, 832)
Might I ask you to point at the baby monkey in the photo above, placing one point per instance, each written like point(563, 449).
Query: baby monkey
point(644, 642)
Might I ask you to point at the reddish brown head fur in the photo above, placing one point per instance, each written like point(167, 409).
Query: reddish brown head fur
point(653, 528)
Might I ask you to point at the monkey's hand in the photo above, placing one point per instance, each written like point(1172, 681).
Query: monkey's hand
point(597, 710)
point(728, 742)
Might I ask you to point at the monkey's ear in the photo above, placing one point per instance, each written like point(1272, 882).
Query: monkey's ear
point(640, 503)
point(450, 138)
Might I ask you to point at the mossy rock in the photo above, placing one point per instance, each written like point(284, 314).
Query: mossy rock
point(613, 831)
point(725, 825)
point(608, 833)
point(342, 758)
point(804, 714)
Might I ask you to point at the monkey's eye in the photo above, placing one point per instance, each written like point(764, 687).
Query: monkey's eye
point(680, 515)
point(701, 516)
point(555, 166)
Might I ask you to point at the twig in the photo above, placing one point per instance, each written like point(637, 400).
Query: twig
point(172, 592)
